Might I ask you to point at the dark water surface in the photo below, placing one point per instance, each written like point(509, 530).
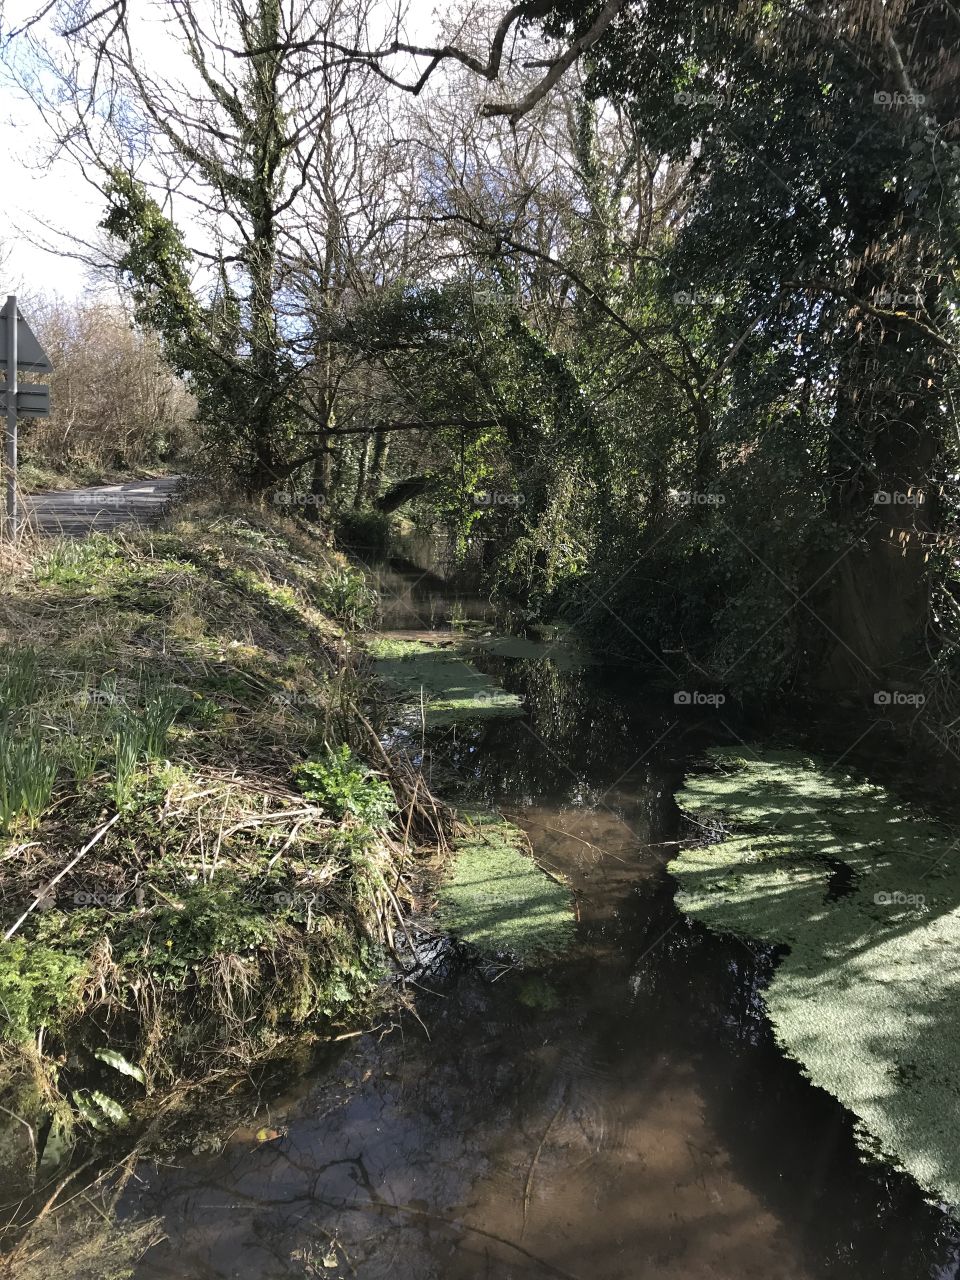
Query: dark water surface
point(623, 1114)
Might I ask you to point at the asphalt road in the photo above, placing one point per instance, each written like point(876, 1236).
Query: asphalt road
point(77, 512)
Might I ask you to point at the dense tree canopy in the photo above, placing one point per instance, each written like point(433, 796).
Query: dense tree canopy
point(651, 309)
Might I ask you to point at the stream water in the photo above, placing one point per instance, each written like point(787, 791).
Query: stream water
point(623, 1115)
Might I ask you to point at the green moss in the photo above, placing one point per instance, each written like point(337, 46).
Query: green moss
point(498, 899)
point(451, 689)
point(385, 646)
point(38, 986)
point(536, 992)
point(866, 895)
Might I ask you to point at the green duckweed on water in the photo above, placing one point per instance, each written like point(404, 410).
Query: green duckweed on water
point(866, 895)
point(562, 649)
point(451, 689)
point(497, 898)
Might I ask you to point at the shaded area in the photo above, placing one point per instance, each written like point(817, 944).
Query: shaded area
point(867, 998)
point(623, 1113)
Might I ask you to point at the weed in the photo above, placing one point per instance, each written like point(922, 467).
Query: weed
point(341, 784)
point(346, 596)
point(80, 562)
point(36, 984)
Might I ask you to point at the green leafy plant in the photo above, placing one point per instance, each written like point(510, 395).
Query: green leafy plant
point(341, 784)
point(37, 986)
point(119, 1063)
point(140, 735)
point(77, 562)
point(346, 596)
point(28, 771)
point(97, 1109)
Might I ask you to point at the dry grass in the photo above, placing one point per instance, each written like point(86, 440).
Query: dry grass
point(180, 900)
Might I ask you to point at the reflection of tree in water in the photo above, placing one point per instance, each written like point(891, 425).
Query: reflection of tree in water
point(446, 1127)
point(580, 734)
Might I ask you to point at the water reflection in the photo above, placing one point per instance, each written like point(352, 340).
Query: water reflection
point(623, 1114)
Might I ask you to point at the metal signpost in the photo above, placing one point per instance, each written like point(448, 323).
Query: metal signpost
point(19, 350)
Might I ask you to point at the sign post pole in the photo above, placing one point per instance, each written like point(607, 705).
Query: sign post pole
point(10, 435)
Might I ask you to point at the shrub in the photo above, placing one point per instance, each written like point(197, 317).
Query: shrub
point(341, 784)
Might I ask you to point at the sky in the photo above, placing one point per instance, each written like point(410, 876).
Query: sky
point(49, 191)
point(45, 189)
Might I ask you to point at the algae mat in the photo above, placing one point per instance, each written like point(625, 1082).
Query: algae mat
point(866, 895)
point(497, 898)
point(563, 651)
point(451, 689)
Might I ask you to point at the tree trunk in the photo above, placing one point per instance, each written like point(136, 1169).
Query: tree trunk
point(381, 450)
point(360, 495)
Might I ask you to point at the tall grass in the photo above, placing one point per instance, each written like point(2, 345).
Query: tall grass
point(19, 680)
point(128, 750)
point(346, 596)
point(140, 735)
point(28, 771)
point(159, 713)
point(82, 748)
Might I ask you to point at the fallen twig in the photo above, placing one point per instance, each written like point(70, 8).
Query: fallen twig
point(528, 1186)
point(44, 892)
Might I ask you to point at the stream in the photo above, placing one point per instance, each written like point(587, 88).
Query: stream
point(623, 1114)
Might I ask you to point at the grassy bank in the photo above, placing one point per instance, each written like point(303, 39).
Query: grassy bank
point(203, 848)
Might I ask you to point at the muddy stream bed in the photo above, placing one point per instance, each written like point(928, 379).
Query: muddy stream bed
point(621, 1113)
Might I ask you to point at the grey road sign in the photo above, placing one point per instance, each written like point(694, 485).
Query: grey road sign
point(31, 357)
point(19, 349)
point(33, 401)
